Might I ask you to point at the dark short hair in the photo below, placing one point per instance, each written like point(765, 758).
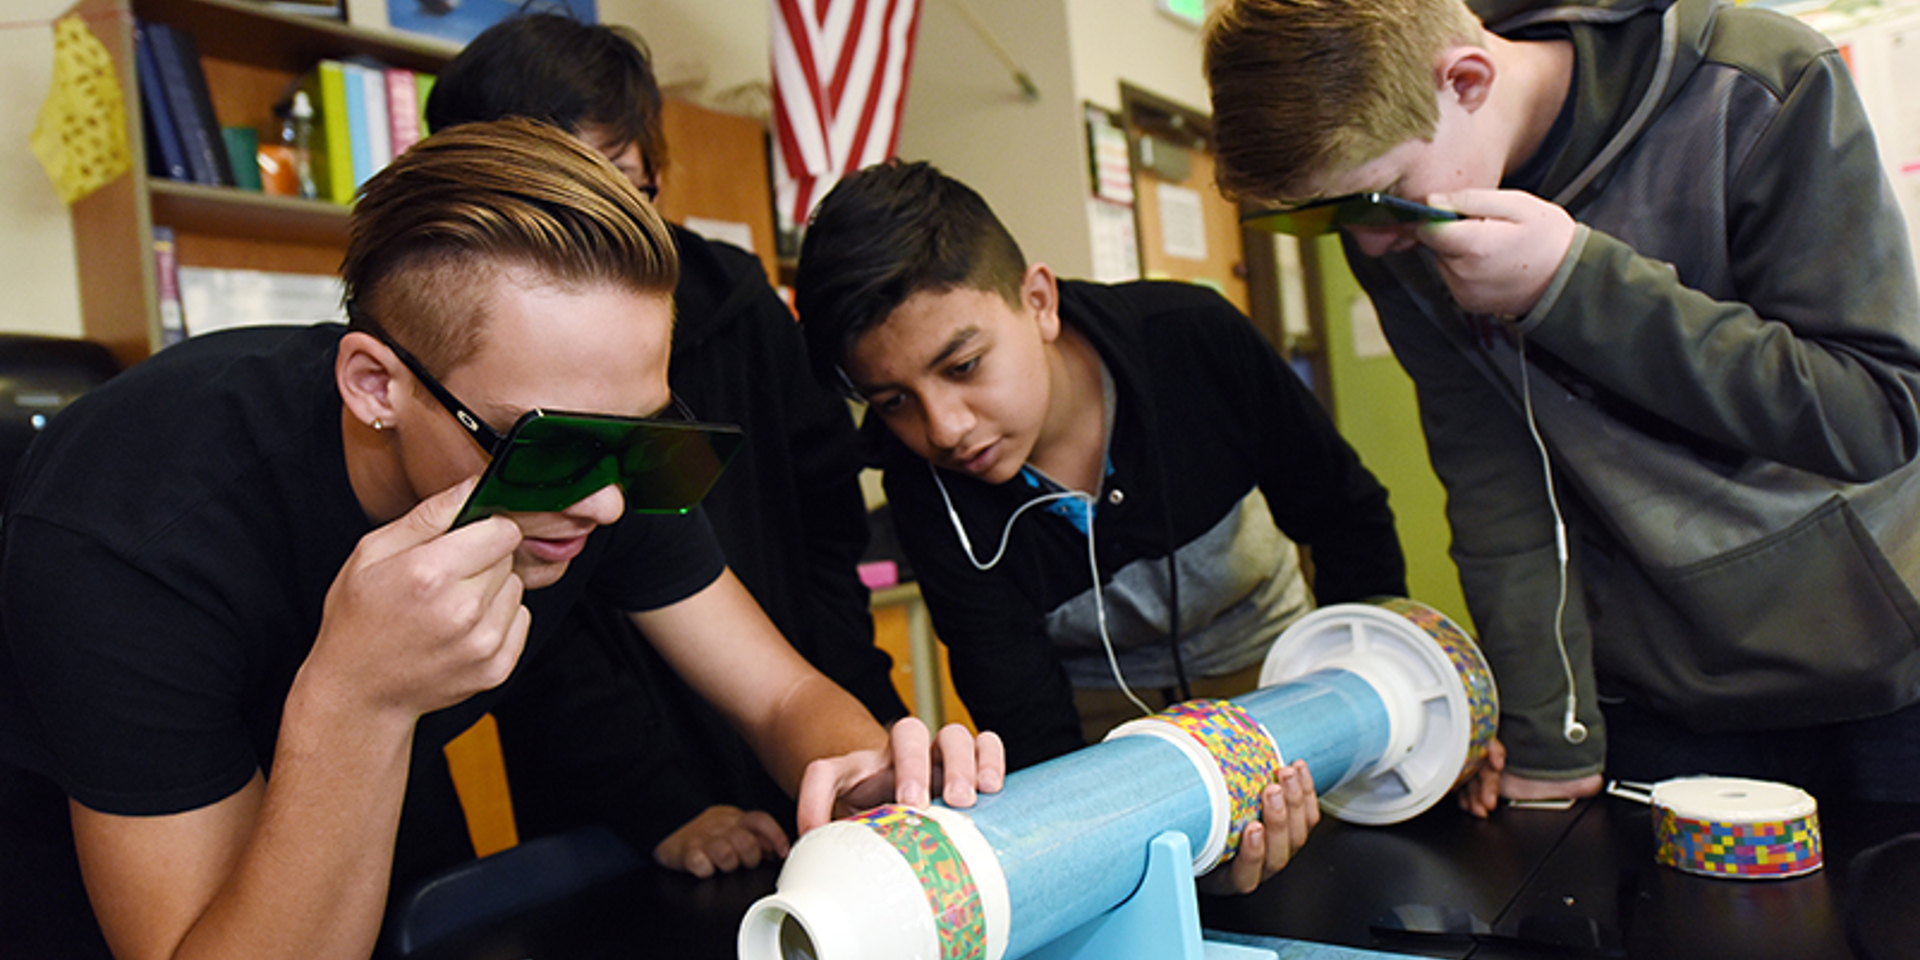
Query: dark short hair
point(554, 68)
point(884, 234)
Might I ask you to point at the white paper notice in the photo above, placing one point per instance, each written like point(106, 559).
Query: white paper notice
point(1116, 251)
point(1183, 226)
point(215, 299)
point(1113, 172)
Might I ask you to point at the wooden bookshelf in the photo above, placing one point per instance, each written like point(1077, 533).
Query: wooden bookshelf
point(252, 56)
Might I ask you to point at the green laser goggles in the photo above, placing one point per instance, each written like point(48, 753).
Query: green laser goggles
point(1352, 210)
point(552, 460)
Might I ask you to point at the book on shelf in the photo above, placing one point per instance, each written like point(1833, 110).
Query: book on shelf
point(369, 129)
point(166, 268)
point(423, 87)
point(364, 116)
point(377, 125)
point(184, 84)
point(359, 146)
point(165, 156)
point(403, 108)
point(332, 139)
point(243, 149)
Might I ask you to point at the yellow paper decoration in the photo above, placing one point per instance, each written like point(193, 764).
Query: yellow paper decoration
point(81, 134)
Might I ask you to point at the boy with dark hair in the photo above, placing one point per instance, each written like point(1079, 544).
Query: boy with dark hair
point(1172, 451)
point(788, 512)
point(1667, 366)
point(594, 81)
point(239, 629)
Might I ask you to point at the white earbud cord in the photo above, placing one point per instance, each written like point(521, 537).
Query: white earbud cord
point(1093, 565)
point(1572, 729)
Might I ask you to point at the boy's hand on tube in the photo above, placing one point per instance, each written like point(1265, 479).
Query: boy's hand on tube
point(965, 764)
point(1289, 810)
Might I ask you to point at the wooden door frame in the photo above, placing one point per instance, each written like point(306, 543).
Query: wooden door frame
point(1142, 111)
point(1144, 114)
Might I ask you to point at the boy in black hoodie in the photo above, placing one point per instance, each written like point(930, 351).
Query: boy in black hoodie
point(1169, 457)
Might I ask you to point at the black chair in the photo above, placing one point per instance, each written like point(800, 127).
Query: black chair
point(470, 899)
point(43, 907)
point(39, 376)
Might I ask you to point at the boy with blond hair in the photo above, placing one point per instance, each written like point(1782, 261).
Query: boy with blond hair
point(788, 512)
point(241, 626)
point(1667, 364)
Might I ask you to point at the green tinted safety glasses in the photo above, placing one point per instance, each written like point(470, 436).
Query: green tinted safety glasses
point(1352, 210)
point(552, 460)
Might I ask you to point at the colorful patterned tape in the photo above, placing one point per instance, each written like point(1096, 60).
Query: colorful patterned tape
point(943, 874)
point(1768, 848)
point(1483, 702)
point(1245, 753)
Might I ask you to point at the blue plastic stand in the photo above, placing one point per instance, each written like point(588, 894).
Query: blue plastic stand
point(1161, 921)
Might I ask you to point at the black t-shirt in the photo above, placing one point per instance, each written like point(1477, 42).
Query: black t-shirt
point(168, 550)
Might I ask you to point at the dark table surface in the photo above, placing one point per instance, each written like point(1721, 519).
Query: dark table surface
point(1567, 883)
point(1584, 882)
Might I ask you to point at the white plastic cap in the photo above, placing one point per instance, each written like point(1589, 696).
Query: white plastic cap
point(844, 894)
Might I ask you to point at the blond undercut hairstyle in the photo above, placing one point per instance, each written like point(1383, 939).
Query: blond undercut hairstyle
point(1306, 88)
point(432, 229)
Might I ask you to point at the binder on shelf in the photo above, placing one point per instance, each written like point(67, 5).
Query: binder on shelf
point(332, 138)
point(185, 84)
point(165, 157)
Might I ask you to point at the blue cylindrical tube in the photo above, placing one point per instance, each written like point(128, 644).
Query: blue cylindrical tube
point(1332, 719)
point(1072, 833)
point(1068, 840)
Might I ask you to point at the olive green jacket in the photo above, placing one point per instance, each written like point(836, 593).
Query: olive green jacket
point(1724, 372)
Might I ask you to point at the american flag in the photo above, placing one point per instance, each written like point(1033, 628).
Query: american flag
point(839, 81)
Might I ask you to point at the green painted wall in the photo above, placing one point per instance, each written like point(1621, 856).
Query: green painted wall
point(1374, 407)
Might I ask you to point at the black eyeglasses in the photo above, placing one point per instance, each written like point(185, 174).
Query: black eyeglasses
point(489, 439)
